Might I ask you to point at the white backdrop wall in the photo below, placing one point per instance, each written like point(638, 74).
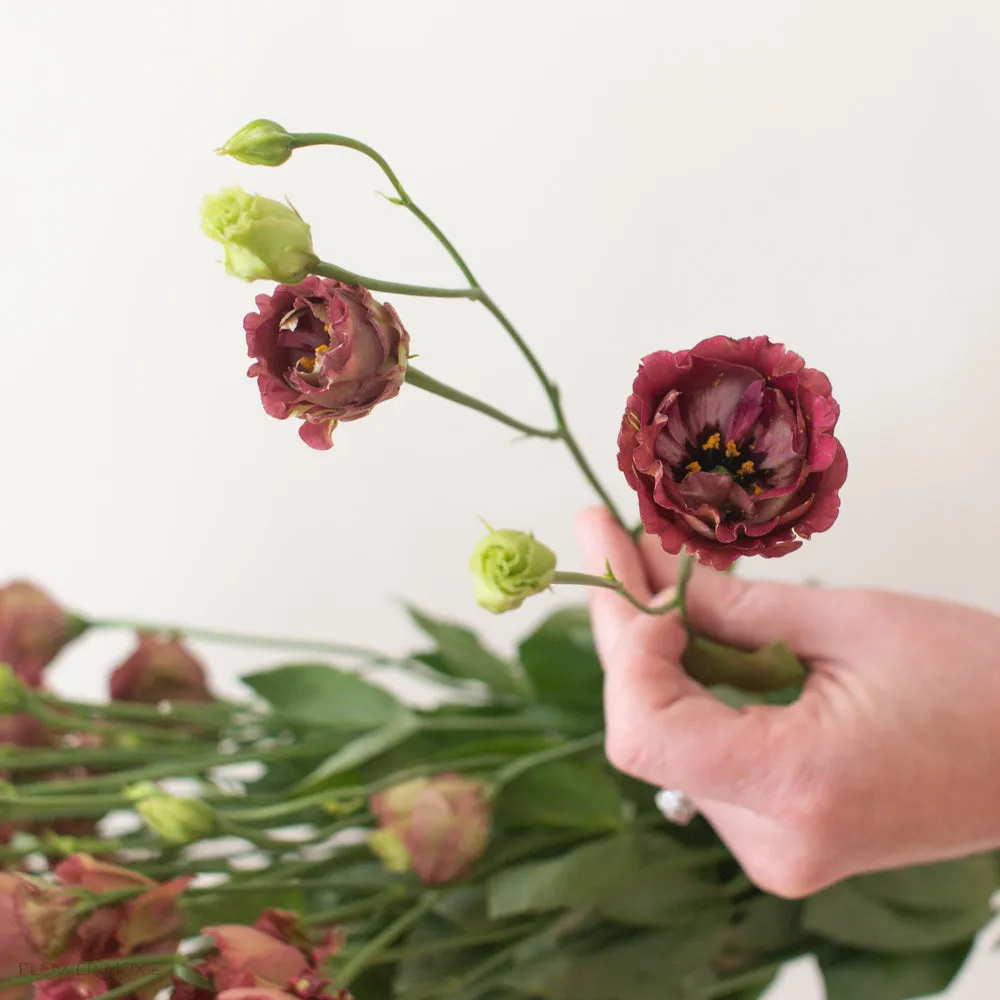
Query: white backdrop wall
point(621, 178)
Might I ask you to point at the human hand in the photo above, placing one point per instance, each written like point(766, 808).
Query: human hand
point(890, 757)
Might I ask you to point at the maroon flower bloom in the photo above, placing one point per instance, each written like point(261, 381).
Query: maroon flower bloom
point(325, 352)
point(275, 958)
point(730, 447)
point(160, 669)
point(33, 628)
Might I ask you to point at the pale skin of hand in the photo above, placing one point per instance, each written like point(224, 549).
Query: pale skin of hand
point(891, 756)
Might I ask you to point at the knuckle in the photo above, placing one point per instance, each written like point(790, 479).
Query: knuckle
point(628, 753)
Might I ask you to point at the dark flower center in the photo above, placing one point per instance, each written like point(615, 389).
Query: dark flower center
point(737, 459)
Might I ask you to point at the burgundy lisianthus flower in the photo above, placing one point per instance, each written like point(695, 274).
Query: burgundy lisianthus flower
point(33, 628)
point(160, 669)
point(276, 957)
point(730, 447)
point(325, 352)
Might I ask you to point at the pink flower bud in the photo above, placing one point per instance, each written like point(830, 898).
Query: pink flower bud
point(158, 670)
point(325, 352)
point(730, 447)
point(33, 628)
point(250, 957)
point(443, 822)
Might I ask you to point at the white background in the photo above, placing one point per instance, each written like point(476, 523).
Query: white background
point(621, 178)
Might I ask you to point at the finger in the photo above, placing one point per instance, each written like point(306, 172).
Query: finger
point(602, 542)
point(664, 728)
point(751, 614)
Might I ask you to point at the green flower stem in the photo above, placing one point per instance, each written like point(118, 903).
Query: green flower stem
point(381, 942)
point(185, 765)
point(239, 639)
point(133, 987)
point(301, 139)
point(39, 760)
point(678, 602)
point(328, 270)
point(37, 807)
point(101, 965)
point(457, 942)
point(588, 580)
point(282, 810)
point(77, 724)
point(359, 907)
point(569, 749)
point(475, 291)
point(432, 385)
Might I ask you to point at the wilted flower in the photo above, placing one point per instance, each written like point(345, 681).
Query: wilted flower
point(261, 238)
point(35, 926)
point(275, 954)
point(443, 822)
point(508, 567)
point(177, 820)
point(730, 447)
point(82, 987)
point(160, 669)
point(261, 143)
point(325, 352)
point(33, 628)
point(149, 922)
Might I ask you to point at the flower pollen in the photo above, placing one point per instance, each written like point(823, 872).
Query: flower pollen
point(732, 451)
point(693, 466)
point(713, 442)
point(746, 468)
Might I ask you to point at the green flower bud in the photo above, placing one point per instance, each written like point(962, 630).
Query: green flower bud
point(12, 693)
point(507, 567)
point(262, 238)
point(141, 790)
point(262, 143)
point(178, 821)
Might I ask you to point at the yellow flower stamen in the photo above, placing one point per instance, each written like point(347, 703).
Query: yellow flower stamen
point(322, 349)
point(757, 490)
point(731, 450)
point(712, 443)
point(746, 468)
point(307, 364)
point(693, 467)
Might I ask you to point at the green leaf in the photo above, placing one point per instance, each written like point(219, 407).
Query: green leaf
point(859, 975)
point(574, 794)
point(579, 878)
point(663, 889)
point(911, 910)
point(461, 654)
point(360, 751)
point(770, 668)
point(669, 964)
point(321, 695)
point(560, 660)
point(765, 925)
point(944, 885)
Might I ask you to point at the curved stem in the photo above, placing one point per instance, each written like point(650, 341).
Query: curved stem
point(100, 965)
point(432, 385)
point(241, 639)
point(587, 580)
point(382, 941)
point(571, 748)
point(474, 291)
point(328, 270)
point(301, 139)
